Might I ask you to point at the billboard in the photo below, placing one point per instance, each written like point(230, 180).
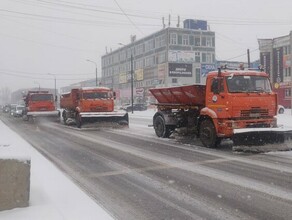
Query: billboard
point(180, 70)
point(278, 65)
point(265, 59)
point(206, 68)
point(181, 56)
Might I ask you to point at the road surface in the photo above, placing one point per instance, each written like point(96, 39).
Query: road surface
point(135, 175)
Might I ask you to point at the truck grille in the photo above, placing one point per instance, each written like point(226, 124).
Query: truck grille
point(254, 112)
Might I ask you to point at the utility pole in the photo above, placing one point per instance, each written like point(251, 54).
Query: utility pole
point(132, 83)
point(248, 59)
point(96, 84)
point(132, 78)
point(55, 81)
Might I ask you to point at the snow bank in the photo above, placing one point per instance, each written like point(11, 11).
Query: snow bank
point(53, 196)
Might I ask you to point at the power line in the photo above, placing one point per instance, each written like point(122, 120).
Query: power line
point(41, 78)
point(128, 18)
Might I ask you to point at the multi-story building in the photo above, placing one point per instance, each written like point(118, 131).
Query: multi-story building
point(171, 56)
point(275, 56)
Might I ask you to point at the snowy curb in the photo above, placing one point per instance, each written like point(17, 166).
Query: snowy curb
point(14, 178)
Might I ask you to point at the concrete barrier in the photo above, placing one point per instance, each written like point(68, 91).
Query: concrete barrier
point(14, 178)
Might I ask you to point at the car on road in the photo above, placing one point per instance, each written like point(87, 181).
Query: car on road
point(19, 110)
point(12, 109)
point(281, 109)
point(136, 107)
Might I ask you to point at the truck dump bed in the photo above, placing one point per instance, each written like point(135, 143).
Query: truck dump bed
point(69, 100)
point(191, 95)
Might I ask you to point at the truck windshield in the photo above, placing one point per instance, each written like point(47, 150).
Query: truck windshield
point(96, 95)
point(240, 83)
point(42, 97)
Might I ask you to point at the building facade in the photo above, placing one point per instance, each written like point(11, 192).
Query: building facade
point(275, 56)
point(171, 56)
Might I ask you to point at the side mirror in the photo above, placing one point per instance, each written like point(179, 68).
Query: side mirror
point(215, 87)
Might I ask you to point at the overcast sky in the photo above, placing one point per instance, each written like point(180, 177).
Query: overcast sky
point(39, 37)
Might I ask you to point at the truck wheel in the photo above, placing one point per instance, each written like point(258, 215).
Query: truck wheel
point(78, 121)
point(160, 128)
point(24, 117)
point(208, 135)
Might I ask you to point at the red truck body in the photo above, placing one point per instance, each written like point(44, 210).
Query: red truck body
point(91, 104)
point(221, 108)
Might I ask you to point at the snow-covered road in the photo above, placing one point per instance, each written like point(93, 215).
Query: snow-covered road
point(135, 175)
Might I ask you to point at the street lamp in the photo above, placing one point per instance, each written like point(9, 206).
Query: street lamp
point(132, 79)
point(95, 70)
point(55, 85)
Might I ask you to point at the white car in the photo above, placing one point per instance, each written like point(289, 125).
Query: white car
point(281, 109)
point(19, 110)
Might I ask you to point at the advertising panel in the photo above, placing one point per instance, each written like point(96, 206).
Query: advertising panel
point(181, 56)
point(287, 61)
point(123, 78)
point(278, 65)
point(180, 70)
point(265, 59)
point(206, 68)
point(139, 75)
point(161, 71)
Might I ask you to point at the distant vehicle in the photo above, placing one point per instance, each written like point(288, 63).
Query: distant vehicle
point(13, 109)
point(6, 109)
point(19, 110)
point(136, 107)
point(91, 105)
point(39, 104)
point(281, 109)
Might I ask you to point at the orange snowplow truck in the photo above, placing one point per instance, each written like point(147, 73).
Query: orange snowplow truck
point(39, 104)
point(234, 104)
point(91, 105)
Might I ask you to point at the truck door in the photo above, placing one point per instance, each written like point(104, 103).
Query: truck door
point(215, 98)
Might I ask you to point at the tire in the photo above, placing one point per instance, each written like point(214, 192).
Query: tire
point(78, 121)
point(160, 128)
point(208, 135)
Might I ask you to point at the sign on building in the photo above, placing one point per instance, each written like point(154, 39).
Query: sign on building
point(180, 70)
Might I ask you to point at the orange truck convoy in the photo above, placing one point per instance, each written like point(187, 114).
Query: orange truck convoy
point(90, 105)
point(234, 104)
point(39, 104)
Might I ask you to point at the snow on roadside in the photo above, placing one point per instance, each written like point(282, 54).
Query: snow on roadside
point(53, 196)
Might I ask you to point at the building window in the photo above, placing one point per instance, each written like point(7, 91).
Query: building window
point(161, 58)
point(149, 61)
point(173, 38)
point(208, 42)
point(139, 49)
point(204, 41)
point(174, 80)
point(197, 41)
point(185, 39)
point(198, 75)
point(207, 58)
point(197, 57)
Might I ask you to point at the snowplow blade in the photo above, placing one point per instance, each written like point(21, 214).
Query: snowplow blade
point(44, 114)
point(105, 118)
point(261, 136)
